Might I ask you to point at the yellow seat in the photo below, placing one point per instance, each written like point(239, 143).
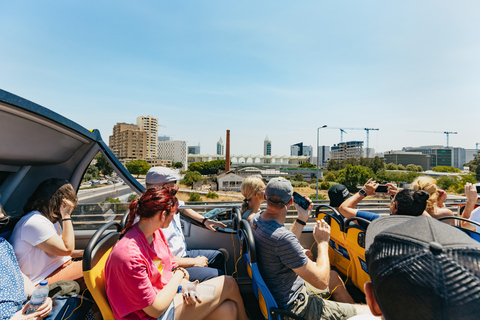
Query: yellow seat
point(94, 259)
point(337, 250)
point(355, 242)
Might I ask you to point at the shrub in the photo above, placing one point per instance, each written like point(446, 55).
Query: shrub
point(391, 166)
point(132, 197)
point(194, 197)
point(330, 176)
point(445, 169)
point(325, 185)
point(111, 200)
point(299, 184)
point(313, 196)
point(211, 195)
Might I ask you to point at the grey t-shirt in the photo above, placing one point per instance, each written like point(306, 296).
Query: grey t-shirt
point(278, 252)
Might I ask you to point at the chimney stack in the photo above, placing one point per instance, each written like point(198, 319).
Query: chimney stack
point(227, 153)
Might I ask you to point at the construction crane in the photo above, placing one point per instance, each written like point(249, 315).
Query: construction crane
point(448, 133)
point(476, 147)
point(342, 130)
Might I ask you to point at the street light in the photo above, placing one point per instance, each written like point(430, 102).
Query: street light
point(318, 156)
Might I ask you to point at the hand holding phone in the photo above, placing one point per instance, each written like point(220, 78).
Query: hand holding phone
point(301, 200)
point(381, 189)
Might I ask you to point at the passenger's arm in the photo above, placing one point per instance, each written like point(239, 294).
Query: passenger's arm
point(210, 224)
point(62, 246)
point(442, 196)
point(347, 208)
point(318, 274)
point(303, 215)
point(472, 197)
point(166, 295)
point(187, 262)
point(28, 285)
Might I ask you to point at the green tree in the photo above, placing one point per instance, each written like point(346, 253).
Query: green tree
point(391, 166)
point(194, 197)
point(325, 185)
point(177, 165)
point(103, 165)
point(474, 165)
point(208, 167)
point(412, 167)
point(298, 177)
point(446, 169)
point(137, 167)
point(211, 195)
point(91, 173)
point(377, 164)
point(132, 197)
point(307, 165)
point(329, 176)
point(333, 165)
point(191, 177)
point(352, 176)
point(400, 167)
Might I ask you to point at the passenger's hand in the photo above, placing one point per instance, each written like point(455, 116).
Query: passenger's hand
point(302, 213)
point(66, 208)
point(200, 261)
point(212, 224)
point(442, 196)
point(321, 232)
point(471, 192)
point(191, 299)
point(370, 186)
point(42, 311)
point(392, 190)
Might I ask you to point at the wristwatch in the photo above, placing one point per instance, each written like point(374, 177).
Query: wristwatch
point(363, 192)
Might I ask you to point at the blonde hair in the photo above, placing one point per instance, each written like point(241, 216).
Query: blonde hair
point(250, 187)
point(429, 185)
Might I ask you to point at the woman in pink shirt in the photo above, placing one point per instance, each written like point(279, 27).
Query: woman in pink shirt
point(142, 276)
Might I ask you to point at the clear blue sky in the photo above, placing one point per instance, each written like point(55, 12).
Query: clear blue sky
point(276, 68)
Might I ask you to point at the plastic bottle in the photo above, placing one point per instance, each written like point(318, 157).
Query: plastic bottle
point(201, 291)
point(38, 296)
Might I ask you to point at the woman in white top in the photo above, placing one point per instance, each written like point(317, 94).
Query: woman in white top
point(253, 189)
point(43, 239)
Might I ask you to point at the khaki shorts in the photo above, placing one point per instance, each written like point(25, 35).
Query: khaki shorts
point(314, 307)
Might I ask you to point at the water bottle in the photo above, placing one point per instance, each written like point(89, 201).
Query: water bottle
point(201, 291)
point(38, 296)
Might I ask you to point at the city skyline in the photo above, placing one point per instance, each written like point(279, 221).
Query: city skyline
point(256, 68)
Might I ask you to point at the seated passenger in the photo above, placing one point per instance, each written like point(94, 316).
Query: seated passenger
point(337, 195)
point(43, 239)
point(405, 202)
point(142, 276)
point(472, 211)
point(296, 283)
point(421, 269)
point(253, 189)
point(435, 205)
point(201, 264)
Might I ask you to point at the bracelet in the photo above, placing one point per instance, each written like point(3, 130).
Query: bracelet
point(363, 192)
point(66, 219)
point(180, 269)
point(203, 221)
point(303, 223)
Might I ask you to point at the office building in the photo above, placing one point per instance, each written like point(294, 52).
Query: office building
point(220, 147)
point(440, 156)
point(296, 149)
point(149, 124)
point(405, 158)
point(323, 154)
point(347, 150)
point(174, 150)
point(193, 149)
point(267, 147)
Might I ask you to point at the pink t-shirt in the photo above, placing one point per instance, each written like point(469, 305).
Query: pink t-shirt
point(136, 271)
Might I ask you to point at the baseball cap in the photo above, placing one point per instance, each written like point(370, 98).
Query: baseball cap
point(280, 188)
point(158, 175)
point(422, 268)
point(337, 194)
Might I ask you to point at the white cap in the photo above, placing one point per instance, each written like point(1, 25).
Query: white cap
point(158, 175)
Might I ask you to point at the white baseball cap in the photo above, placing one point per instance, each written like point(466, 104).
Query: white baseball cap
point(158, 175)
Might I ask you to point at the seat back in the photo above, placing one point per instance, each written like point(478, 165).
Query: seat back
point(337, 250)
point(473, 234)
point(94, 259)
point(124, 220)
point(355, 242)
point(237, 218)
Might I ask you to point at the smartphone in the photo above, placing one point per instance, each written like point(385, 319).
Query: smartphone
point(478, 189)
point(301, 200)
point(382, 189)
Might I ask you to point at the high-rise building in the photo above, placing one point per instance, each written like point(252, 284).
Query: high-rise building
point(347, 150)
point(128, 142)
point(267, 147)
point(194, 149)
point(296, 149)
point(324, 155)
point(150, 125)
point(220, 147)
point(174, 150)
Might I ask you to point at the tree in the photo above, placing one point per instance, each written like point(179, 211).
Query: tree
point(411, 167)
point(352, 176)
point(177, 165)
point(194, 197)
point(208, 167)
point(446, 169)
point(298, 177)
point(474, 165)
point(91, 173)
point(329, 176)
point(191, 177)
point(103, 165)
point(391, 166)
point(400, 167)
point(377, 164)
point(333, 165)
point(137, 167)
point(307, 165)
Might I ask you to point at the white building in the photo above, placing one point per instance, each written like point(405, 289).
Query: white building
point(174, 150)
point(150, 125)
point(229, 182)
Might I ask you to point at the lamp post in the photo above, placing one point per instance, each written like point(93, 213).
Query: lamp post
point(318, 156)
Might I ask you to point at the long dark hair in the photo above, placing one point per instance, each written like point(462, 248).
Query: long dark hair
point(48, 198)
point(411, 202)
point(152, 201)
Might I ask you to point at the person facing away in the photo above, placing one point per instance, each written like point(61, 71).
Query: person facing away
point(297, 283)
point(435, 205)
point(253, 189)
point(337, 195)
point(43, 239)
point(201, 264)
point(421, 269)
point(142, 275)
point(405, 202)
